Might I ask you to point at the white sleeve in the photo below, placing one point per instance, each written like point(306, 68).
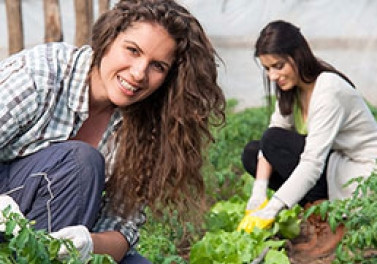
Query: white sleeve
point(326, 117)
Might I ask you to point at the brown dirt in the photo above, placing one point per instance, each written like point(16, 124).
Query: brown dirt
point(300, 257)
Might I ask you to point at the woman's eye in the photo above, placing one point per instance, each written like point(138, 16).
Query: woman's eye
point(158, 66)
point(133, 50)
point(279, 65)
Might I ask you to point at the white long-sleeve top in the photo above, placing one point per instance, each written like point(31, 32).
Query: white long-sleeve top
point(339, 120)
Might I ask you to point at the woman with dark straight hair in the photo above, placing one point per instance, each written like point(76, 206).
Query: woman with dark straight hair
point(321, 133)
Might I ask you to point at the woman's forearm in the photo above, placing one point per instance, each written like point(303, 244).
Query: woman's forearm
point(264, 169)
point(112, 243)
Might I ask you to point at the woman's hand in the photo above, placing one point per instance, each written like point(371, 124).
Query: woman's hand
point(5, 202)
point(81, 239)
point(247, 223)
point(262, 218)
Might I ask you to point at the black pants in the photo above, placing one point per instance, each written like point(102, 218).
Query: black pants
point(282, 149)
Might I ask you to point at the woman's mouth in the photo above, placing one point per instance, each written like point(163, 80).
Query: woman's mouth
point(282, 83)
point(126, 85)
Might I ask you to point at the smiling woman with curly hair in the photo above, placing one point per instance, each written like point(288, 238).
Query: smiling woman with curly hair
point(122, 123)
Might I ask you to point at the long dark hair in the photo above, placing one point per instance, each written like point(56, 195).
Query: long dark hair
point(284, 39)
point(161, 140)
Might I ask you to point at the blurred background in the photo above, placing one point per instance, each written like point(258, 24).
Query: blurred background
point(341, 32)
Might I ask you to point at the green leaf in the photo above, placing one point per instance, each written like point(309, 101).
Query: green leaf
point(290, 229)
point(276, 257)
point(310, 211)
point(33, 247)
point(53, 248)
point(333, 224)
point(9, 227)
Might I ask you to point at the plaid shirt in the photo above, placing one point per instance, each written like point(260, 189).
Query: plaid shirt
point(44, 99)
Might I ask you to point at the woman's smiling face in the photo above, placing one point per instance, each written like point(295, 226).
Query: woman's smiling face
point(280, 70)
point(135, 65)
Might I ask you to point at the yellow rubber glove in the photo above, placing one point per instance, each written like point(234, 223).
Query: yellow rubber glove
point(262, 218)
point(255, 221)
point(247, 223)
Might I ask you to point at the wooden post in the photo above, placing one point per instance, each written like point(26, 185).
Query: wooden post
point(53, 27)
point(84, 20)
point(90, 16)
point(103, 6)
point(15, 29)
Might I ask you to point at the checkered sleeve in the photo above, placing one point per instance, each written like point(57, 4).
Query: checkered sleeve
point(19, 100)
point(129, 228)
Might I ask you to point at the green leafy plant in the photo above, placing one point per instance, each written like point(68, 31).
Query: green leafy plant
point(22, 244)
point(160, 239)
point(222, 244)
point(224, 177)
point(223, 166)
point(358, 215)
point(235, 247)
point(163, 237)
point(225, 215)
point(288, 222)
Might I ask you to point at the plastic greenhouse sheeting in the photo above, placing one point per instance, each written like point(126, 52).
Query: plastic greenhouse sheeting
point(342, 32)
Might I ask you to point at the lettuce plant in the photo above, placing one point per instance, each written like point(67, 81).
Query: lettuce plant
point(22, 244)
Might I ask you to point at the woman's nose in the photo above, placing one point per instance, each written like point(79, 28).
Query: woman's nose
point(138, 71)
point(273, 74)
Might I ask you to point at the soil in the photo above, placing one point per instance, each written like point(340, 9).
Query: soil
point(300, 257)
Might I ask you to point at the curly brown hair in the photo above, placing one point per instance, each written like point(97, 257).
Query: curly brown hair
point(161, 139)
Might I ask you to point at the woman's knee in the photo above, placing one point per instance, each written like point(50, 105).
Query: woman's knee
point(249, 156)
point(78, 163)
point(272, 139)
point(279, 141)
point(90, 155)
point(89, 160)
point(272, 134)
point(84, 150)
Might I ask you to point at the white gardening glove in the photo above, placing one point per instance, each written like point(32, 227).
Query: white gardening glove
point(258, 194)
point(271, 210)
point(5, 201)
point(81, 238)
